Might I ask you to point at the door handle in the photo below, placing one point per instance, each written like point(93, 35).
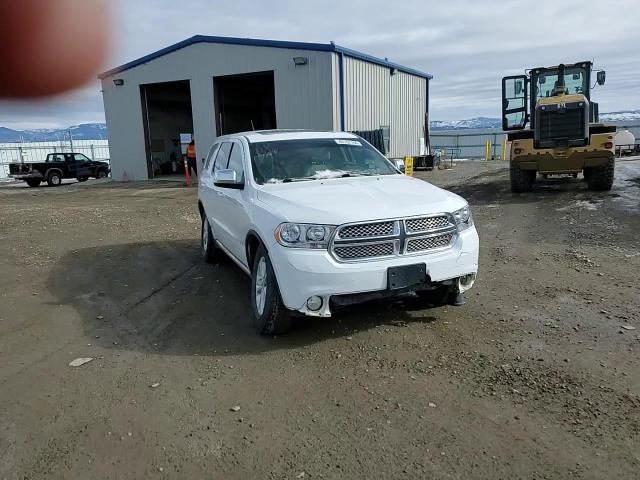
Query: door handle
point(220, 194)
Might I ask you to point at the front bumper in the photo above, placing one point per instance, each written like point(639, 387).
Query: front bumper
point(303, 273)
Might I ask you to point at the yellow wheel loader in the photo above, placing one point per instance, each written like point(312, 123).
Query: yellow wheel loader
point(564, 136)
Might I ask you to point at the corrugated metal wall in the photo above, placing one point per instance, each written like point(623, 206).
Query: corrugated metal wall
point(375, 98)
point(408, 107)
point(303, 95)
point(367, 91)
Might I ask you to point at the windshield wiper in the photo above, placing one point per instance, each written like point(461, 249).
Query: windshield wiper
point(356, 174)
point(296, 179)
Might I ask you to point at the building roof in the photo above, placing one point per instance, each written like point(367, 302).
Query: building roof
point(318, 47)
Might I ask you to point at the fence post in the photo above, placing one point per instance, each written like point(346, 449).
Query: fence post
point(93, 153)
point(494, 146)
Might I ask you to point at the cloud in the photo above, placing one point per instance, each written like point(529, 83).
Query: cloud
point(466, 44)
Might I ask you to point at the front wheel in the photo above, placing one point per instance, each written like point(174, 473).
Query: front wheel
point(83, 179)
point(54, 179)
point(600, 178)
point(270, 316)
point(207, 242)
point(101, 174)
point(521, 180)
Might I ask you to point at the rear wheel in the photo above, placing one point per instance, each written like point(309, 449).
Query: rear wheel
point(54, 179)
point(33, 182)
point(270, 316)
point(600, 178)
point(521, 180)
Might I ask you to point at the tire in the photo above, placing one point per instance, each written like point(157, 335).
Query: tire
point(83, 179)
point(33, 182)
point(436, 298)
point(54, 179)
point(210, 252)
point(521, 180)
point(101, 173)
point(600, 178)
point(270, 316)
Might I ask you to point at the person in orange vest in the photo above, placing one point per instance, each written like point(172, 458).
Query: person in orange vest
point(191, 157)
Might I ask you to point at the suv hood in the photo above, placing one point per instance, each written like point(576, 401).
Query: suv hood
point(354, 199)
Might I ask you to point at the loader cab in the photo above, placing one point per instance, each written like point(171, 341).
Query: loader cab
point(521, 94)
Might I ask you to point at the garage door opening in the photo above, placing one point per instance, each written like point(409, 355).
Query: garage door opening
point(166, 112)
point(245, 102)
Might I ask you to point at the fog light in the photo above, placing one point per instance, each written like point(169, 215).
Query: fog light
point(608, 145)
point(517, 151)
point(314, 303)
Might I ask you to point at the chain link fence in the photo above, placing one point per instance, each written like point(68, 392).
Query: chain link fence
point(460, 144)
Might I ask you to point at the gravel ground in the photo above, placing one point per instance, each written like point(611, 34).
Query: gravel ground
point(535, 377)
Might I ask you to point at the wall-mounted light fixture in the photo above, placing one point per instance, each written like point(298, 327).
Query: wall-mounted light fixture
point(118, 82)
point(300, 61)
point(393, 71)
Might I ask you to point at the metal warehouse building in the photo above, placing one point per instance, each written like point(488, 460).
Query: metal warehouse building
point(211, 86)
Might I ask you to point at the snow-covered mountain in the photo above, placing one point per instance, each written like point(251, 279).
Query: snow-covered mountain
point(620, 118)
point(477, 122)
point(85, 131)
point(623, 116)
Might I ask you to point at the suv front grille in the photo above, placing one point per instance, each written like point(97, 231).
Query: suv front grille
point(367, 250)
point(428, 243)
point(426, 224)
point(367, 230)
point(405, 236)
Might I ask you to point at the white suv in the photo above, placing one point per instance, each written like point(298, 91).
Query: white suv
point(322, 219)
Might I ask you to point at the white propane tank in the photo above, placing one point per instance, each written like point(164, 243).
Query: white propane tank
point(626, 140)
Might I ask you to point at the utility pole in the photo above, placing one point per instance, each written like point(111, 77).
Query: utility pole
point(70, 140)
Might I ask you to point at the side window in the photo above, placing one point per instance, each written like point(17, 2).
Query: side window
point(222, 158)
point(235, 161)
point(78, 157)
point(211, 156)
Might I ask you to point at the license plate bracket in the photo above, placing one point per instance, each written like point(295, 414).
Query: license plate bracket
point(406, 276)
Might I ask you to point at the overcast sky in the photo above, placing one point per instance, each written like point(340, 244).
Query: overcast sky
point(468, 45)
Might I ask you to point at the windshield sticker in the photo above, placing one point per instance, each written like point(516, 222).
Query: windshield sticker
point(353, 143)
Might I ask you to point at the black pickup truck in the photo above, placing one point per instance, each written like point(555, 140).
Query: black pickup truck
point(58, 166)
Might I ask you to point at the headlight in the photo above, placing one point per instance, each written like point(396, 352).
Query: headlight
point(463, 218)
point(304, 235)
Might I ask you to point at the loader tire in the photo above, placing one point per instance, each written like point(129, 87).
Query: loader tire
point(521, 180)
point(600, 178)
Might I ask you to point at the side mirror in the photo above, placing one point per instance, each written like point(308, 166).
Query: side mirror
point(601, 77)
point(227, 179)
point(399, 164)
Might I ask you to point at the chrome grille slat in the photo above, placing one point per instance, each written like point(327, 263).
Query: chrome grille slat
point(365, 250)
point(367, 230)
point(423, 244)
point(426, 224)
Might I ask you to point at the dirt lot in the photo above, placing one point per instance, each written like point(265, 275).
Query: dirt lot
point(537, 376)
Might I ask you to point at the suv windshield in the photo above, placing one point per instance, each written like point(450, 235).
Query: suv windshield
point(575, 79)
point(315, 159)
